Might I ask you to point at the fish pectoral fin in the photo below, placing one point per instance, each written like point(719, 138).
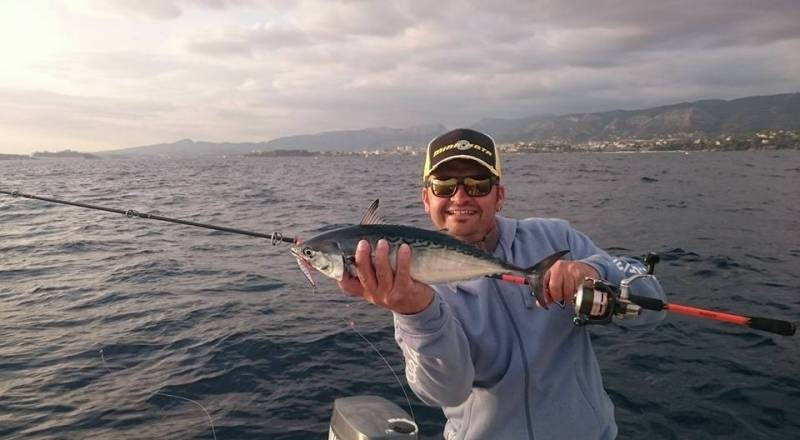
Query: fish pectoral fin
point(371, 215)
point(348, 262)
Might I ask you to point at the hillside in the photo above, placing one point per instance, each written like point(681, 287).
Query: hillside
point(705, 118)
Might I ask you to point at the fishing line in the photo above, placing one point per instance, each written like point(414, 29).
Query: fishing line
point(210, 421)
point(352, 324)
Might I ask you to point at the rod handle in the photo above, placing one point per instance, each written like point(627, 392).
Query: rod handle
point(778, 326)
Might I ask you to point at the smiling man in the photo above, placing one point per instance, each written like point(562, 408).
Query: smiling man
point(499, 367)
point(475, 169)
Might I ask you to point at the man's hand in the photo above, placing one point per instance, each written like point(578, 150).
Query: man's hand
point(562, 280)
point(393, 290)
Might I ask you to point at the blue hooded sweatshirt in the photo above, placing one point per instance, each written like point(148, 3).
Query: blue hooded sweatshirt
point(502, 368)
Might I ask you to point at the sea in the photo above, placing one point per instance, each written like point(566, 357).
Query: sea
point(126, 328)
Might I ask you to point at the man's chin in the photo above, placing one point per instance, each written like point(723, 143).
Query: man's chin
point(462, 230)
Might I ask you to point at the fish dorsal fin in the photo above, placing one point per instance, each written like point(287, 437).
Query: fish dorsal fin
point(371, 215)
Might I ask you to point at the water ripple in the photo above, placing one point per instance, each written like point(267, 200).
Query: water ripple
point(230, 323)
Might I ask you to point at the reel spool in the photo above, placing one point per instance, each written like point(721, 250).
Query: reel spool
point(598, 301)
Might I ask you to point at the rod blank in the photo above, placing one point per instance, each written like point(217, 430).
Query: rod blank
point(275, 237)
point(777, 326)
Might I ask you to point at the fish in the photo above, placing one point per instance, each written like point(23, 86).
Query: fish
point(436, 257)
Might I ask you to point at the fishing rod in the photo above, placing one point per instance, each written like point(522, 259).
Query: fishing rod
point(275, 237)
point(597, 301)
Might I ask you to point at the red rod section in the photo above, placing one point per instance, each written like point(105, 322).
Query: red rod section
point(513, 279)
point(702, 313)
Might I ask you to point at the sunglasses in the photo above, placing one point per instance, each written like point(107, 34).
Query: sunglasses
point(474, 186)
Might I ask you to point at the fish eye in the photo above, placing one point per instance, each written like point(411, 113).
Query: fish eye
point(307, 252)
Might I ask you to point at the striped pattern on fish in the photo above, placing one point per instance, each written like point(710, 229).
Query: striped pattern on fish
point(436, 257)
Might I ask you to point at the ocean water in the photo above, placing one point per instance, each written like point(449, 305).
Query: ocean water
point(103, 318)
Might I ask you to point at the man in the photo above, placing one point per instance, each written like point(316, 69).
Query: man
point(499, 367)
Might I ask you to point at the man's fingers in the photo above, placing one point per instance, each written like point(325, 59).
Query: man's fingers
point(569, 289)
point(364, 266)
point(401, 286)
point(403, 266)
point(564, 278)
point(546, 289)
point(383, 268)
point(580, 272)
point(570, 273)
point(351, 285)
point(556, 283)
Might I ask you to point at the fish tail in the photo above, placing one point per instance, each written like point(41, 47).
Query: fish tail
point(534, 275)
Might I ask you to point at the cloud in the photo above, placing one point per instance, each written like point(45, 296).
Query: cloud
point(156, 9)
point(261, 69)
point(257, 39)
point(341, 20)
point(159, 9)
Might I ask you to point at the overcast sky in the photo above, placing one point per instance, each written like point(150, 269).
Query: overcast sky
point(102, 74)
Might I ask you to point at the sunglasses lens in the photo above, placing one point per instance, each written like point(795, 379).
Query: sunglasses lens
point(474, 187)
point(443, 187)
point(478, 187)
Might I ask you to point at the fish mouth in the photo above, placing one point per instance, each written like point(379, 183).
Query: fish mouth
point(307, 269)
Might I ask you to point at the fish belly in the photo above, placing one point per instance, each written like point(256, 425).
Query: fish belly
point(450, 267)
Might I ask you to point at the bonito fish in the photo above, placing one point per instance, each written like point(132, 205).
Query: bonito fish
point(436, 257)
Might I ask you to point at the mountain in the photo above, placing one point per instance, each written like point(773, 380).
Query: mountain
point(187, 147)
point(348, 140)
point(706, 118)
point(62, 154)
point(357, 140)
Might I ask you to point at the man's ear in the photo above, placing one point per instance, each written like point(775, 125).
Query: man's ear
point(501, 198)
point(425, 201)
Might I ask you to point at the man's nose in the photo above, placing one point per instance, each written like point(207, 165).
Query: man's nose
point(460, 195)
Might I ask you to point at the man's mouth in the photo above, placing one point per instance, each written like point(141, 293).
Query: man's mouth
point(461, 212)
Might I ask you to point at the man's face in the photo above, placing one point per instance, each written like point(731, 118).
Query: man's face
point(466, 218)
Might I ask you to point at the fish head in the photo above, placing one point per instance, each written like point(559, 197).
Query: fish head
point(324, 258)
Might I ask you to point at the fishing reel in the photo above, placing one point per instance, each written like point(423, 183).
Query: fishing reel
point(599, 301)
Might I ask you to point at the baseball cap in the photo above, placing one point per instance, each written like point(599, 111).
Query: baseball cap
point(462, 143)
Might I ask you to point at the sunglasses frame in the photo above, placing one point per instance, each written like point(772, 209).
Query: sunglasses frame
point(462, 181)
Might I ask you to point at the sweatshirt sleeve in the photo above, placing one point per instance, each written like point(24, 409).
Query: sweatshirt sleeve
point(614, 270)
point(439, 367)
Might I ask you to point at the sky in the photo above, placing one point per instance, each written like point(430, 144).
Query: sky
point(93, 75)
